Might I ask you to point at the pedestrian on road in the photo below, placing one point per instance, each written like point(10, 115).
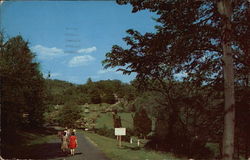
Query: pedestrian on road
point(72, 143)
point(64, 145)
point(67, 131)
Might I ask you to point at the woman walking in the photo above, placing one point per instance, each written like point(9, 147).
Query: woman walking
point(72, 143)
point(64, 145)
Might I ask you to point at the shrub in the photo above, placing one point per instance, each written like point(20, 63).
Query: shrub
point(105, 131)
point(142, 123)
point(69, 114)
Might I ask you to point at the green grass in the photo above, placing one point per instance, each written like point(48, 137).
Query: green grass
point(36, 137)
point(102, 119)
point(98, 107)
point(22, 142)
point(127, 120)
point(127, 151)
point(106, 119)
point(41, 139)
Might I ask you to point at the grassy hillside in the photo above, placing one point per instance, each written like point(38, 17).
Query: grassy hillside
point(106, 119)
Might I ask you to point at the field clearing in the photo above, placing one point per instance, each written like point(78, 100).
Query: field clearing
point(106, 119)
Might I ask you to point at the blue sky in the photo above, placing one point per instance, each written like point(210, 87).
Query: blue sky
point(71, 38)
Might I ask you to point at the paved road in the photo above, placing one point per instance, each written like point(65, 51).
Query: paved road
point(86, 151)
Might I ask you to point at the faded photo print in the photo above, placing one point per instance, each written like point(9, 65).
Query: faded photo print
point(125, 79)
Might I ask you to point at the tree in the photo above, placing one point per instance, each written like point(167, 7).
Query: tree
point(188, 40)
point(109, 98)
point(69, 114)
point(242, 120)
point(22, 91)
point(22, 85)
point(225, 8)
point(95, 96)
point(89, 81)
point(142, 122)
point(116, 120)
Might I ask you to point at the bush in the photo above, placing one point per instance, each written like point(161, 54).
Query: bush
point(109, 98)
point(69, 114)
point(183, 146)
point(105, 131)
point(129, 133)
point(142, 123)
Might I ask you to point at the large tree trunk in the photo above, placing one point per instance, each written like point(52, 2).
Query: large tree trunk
point(224, 7)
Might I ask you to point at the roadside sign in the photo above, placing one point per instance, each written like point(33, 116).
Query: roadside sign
point(120, 131)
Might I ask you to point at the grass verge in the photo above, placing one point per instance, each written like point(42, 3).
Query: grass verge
point(24, 142)
point(127, 151)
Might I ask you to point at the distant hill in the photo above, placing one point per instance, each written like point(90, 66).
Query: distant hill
point(104, 91)
point(58, 86)
point(57, 90)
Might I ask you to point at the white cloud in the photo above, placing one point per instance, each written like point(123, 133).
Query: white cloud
point(103, 71)
point(53, 75)
point(80, 60)
point(47, 53)
point(87, 50)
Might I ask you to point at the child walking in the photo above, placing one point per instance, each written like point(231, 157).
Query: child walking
point(72, 143)
point(64, 145)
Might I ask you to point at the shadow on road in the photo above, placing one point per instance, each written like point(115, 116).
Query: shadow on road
point(48, 151)
point(44, 151)
point(17, 146)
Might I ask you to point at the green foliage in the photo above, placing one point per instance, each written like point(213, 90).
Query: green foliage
point(22, 92)
point(22, 85)
point(128, 92)
point(61, 92)
point(89, 81)
point(109, 98)
point(105, 91)
point(192, 44)
point(142, 123)
point(105, 131)
point(148, 101)
point(69, 115)
point(187, 40)
point(95, 97)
